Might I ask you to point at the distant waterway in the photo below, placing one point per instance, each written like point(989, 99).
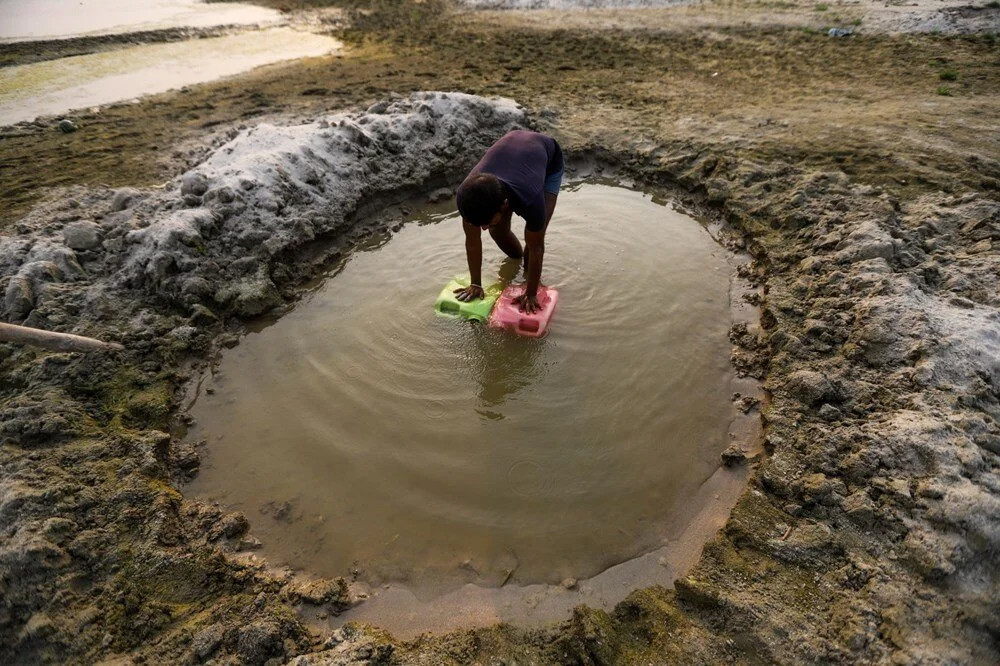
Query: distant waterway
point(57, 86)
point(34, 20)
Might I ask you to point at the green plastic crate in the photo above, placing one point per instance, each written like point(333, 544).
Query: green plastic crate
point(478, 310)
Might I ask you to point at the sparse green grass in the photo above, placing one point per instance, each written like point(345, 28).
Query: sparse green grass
point(856, 21)
point(944, 91)
point(822, 7)
point(948, 75)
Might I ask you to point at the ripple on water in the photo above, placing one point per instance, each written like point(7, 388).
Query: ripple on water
point(425, 443)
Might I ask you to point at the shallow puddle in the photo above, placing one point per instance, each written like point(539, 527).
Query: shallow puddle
point(363, 432)
point(56, 86)
point(25, 20)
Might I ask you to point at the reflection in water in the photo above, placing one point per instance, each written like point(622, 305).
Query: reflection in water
point(502, 365)
point(429, 450)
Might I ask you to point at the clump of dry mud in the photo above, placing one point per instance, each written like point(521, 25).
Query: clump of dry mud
point(869, 533)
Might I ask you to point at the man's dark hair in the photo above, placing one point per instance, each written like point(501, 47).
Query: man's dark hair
point(480, 197)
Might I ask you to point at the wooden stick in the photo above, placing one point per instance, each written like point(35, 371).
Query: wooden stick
point(52, 340)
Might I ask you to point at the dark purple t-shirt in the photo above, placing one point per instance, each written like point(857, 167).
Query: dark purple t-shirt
point(521, 160)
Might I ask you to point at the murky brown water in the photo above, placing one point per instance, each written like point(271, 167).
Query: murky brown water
point(363, 431)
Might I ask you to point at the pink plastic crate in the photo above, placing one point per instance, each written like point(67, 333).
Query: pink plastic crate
point(507, 315)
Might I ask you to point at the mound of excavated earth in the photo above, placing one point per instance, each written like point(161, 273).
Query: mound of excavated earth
point(212, 238)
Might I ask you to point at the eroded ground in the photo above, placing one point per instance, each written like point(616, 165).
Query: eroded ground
point(862, 175)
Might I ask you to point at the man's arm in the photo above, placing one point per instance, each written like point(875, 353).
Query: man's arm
point(535, 243)
point(474, 255)
point(534, 251)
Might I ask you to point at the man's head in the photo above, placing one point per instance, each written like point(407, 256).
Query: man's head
point(482, 200)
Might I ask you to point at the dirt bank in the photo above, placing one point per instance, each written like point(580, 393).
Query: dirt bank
point(863, 178)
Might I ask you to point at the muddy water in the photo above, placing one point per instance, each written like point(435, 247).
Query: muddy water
point(361, 431)
point(56, 86)
point(58, 19)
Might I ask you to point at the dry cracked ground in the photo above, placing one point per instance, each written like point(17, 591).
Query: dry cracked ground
point(861, 173)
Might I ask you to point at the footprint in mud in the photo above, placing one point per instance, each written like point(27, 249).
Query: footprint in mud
point(527, 477)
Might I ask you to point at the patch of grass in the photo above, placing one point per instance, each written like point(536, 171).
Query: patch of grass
point(131, 399)
point(856, 21)
point(822, 7)
point(992, 5)
point(948, 75)
point(944, 91)
point(151, 591)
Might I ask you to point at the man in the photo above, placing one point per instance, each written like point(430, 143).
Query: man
point(521, 173)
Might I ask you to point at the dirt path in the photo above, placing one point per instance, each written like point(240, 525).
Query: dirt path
point(863, 175)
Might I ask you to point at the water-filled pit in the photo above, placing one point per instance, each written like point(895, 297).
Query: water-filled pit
point(362, 432)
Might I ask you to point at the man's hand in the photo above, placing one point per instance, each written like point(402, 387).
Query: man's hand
point(528, 304)
point(470, 293)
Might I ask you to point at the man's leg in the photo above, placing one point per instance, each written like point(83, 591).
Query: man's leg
point(506, 240)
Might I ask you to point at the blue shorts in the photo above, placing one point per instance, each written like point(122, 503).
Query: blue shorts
point(553, 182)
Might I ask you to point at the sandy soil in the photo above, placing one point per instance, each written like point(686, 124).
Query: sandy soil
point(860, 173)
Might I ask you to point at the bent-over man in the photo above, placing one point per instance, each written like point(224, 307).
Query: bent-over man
point(521, 173)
